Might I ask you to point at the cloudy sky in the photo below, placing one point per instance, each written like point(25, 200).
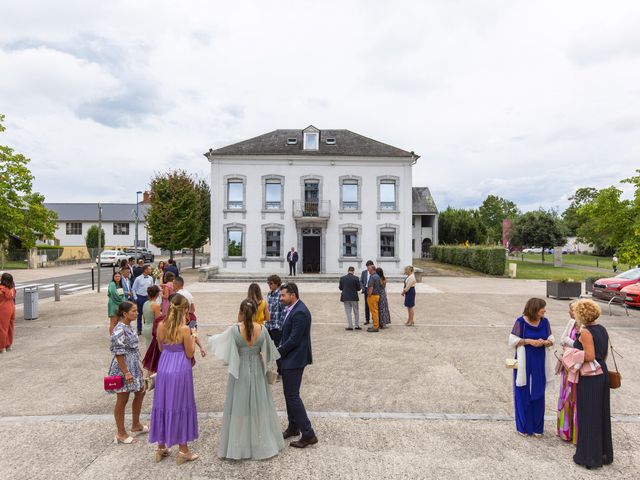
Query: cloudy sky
point(526, 100)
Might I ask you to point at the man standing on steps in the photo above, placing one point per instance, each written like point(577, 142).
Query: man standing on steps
point(292, 258)
point(364, 281)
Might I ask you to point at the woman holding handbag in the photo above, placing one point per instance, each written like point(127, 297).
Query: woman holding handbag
point(531, 337)
point(567, 422)
point(126, 363)
point(594, 447)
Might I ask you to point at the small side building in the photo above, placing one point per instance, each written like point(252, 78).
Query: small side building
point(425, 222)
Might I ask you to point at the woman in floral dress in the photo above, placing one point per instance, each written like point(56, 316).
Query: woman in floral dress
point(384, 315)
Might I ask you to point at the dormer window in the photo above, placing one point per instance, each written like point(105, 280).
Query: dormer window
point(292, 141)
point(311, 141)
point(330, 141)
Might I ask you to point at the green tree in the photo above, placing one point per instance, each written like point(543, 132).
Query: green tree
point(571, 216)
point(91, 239)
point(22, 213)
point(539, 228)
point(178, 211)
point(629, 251)
point(492, 212)
point(459, 226)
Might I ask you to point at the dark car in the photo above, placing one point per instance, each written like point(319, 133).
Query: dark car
point(146, 255)
point(606, 288)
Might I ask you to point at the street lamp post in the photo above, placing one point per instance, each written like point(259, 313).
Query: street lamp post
point(99, 243)
point(137, 218)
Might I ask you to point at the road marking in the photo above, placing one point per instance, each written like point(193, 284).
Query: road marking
point(74, 289)
point(30, 285)
point(419, 416)
point(63, 286)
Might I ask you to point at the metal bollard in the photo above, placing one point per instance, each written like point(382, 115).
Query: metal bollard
point(93, 281)
point(56, 292)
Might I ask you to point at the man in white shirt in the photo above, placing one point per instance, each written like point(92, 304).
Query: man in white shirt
point(178, 287)
point(139, 290)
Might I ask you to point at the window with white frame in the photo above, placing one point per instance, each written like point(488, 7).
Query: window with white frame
point(235, 242)
point(311, 141)
point(350, 195)
point(388, 195)
point(273, 194)
point(349, 243)
point(121, 228)
point(387, 243)
point(74, 228)
point(235, 194)
point(273, 239)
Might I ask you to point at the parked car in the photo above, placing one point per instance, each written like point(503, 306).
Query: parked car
point(143, 253)
point(111, 258)
point(632, 297)
point(605, 288)
point(532, 250)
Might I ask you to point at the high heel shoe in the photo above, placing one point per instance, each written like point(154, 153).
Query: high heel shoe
point(186, 457)
point(162, 453)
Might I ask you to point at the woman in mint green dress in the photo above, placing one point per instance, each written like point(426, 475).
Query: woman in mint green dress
point(250, 425)
point(116, 297)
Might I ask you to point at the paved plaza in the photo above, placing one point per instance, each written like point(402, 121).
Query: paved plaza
point(432, 401)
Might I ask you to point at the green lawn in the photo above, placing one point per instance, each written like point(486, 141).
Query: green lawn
point(578, 259)
point(11, 265)
point(538, 271)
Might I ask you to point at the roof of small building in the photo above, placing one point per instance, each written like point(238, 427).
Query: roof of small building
point(423, 201)
point(345, 143)
point(88, 212)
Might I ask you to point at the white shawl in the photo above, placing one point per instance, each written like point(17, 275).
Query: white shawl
point(521, 376)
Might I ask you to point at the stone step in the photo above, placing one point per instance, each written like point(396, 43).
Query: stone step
point(304, 278)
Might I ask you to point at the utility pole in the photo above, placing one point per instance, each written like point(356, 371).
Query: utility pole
point(137, 219)
point(99, 243)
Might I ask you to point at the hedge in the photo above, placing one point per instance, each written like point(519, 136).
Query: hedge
point(491, 260)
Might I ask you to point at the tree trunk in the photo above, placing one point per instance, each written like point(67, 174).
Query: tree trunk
point(542, 254)
point(171, 254)
point(193, 258)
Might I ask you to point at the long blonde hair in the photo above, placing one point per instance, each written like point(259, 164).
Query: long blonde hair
point(176, 318)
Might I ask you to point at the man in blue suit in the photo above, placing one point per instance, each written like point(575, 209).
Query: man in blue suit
point(295, 351)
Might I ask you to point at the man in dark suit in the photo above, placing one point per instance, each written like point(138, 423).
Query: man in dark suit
point(364, 280)
point(172, 267)
point(292, 258)
point(138, 269)
point(295, 351)
point(350, 286)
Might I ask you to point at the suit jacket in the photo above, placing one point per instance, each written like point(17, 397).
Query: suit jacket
point(171, 268)
point(292, 257)
point(295, 346)
point(350, 286)
point(137, 271)
point(363, 280)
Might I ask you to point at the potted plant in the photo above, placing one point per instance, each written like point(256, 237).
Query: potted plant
point(588, 283)
point(564, 288)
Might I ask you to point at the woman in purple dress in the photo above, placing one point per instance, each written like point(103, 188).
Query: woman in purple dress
point(174, 418)
point(531, 337)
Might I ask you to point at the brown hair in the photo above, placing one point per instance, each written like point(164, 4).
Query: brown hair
point(255, 293)
point(124, 307)
point(153, 291)
point(532, 308)
point(248, 309)
point(176, 318)
point(275, 279)
point(586, 311)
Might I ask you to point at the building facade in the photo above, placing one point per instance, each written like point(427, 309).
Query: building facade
point(118, 223)
point(340, 198)
point(425, 222)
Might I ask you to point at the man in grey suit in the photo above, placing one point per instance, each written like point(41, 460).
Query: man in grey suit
point(350, 286)
point(364, 280)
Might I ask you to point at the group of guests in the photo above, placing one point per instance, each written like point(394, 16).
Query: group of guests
point(373, 285)
point(7, 311)
point(272, 333)
point(584, 413)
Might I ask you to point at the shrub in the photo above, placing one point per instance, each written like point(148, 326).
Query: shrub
point(491, 260)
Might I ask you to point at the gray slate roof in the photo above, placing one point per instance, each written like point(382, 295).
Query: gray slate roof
point(423, 201)
point(88, 212)
point(347, 143)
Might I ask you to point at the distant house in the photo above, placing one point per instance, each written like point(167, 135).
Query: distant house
point(425, 222)
point(118, 223)
point(339, 197)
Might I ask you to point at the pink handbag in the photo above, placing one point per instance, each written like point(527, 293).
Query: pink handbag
point(113, 383)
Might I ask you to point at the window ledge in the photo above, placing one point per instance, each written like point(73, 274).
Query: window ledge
point(234, 210)
point(349, 211)
point(349, 259)
point(388, 211)
point(387, 259)
point(234, 259)
point(272, 259)
point(272, 210)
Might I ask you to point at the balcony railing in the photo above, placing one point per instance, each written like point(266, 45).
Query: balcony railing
point(313, 209)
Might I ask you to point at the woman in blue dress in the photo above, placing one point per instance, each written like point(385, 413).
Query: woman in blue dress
point(531, 337)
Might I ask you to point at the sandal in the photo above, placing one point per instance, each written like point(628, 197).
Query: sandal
point(185, 457)
point(162, 453)
point(145, 429)
point(127, 441)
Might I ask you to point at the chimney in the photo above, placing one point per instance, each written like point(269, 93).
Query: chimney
point(146, 197)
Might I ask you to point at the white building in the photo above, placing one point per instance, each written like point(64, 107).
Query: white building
point(425, 222)
point(340, 198)
point(118, 223)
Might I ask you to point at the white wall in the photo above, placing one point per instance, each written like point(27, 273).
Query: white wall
point(330, 169)
point(110, 238)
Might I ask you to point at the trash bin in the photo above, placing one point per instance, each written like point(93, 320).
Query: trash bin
point(30, 303)
point(417, 273)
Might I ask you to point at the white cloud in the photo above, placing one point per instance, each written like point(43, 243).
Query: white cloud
point(527, 100)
